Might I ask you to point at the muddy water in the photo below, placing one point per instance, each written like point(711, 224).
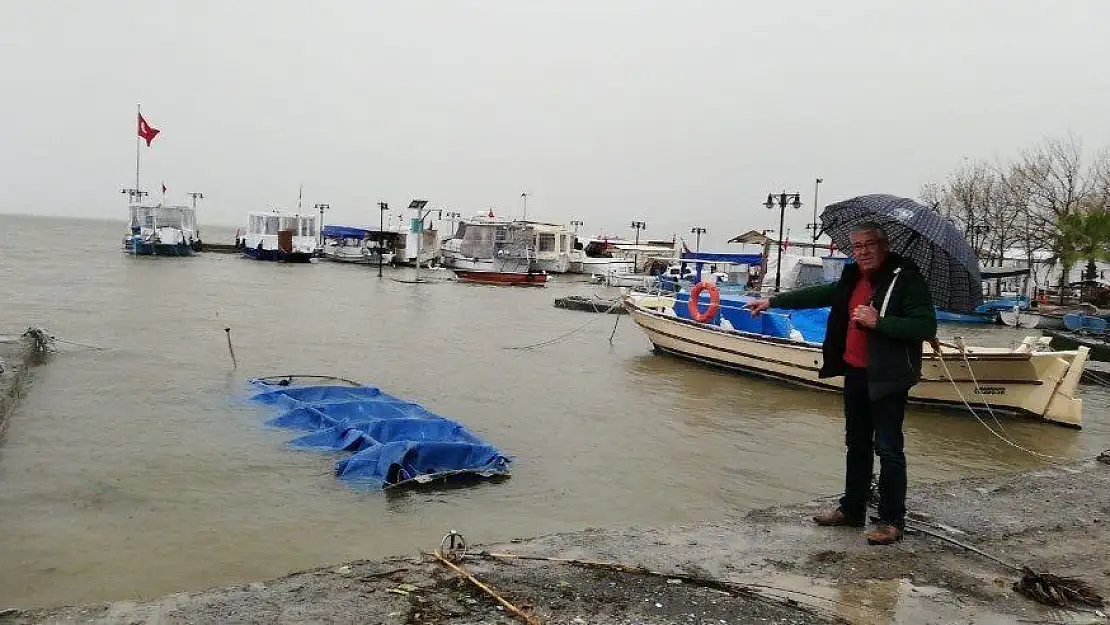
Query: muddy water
point(137, 469)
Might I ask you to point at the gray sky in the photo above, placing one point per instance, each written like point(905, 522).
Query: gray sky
point(677, 113)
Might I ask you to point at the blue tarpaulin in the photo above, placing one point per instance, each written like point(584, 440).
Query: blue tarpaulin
point(392, 440)
point(773, 322)
point(346, 232)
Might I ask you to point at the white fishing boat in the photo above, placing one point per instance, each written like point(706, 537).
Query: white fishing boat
point(347, 244)
point(280, 237)
point(1031, 379)
point(158, 230)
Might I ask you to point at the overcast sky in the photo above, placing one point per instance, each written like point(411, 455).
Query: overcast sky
point(676, 113)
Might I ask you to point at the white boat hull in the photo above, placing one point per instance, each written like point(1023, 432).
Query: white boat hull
point(354, 254)
point(603, 266)
point(1039, 383)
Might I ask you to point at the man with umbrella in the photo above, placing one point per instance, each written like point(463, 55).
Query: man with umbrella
point(881, 313)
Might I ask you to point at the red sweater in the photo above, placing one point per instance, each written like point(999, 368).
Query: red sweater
point(855, 351)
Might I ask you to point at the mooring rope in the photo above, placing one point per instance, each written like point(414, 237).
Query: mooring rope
point(567, 335)
point(1050, 459)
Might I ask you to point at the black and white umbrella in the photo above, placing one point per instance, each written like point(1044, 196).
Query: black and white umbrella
point(919, 233)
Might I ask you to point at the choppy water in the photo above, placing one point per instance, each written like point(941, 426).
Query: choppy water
point(137, 470)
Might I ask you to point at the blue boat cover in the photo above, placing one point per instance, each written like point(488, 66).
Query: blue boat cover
point(711, 257)
point(345, 232)
point(392, 440)
point(774, 322)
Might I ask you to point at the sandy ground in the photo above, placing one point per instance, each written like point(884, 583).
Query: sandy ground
point(1053, 519)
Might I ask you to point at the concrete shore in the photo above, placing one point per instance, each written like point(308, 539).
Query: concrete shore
point(16, 359)
point(1055, 519)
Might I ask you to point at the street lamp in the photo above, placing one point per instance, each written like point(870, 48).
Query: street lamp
point(784, 199)
point(524, 196)
point(575, 223)
point(638, 226)
point(322, 208)
point(815, 226)
point(697, 231)
point(382, 208)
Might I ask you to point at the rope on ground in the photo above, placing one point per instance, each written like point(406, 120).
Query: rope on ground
point(1041, 587)
point(524, 616)
point(568, 334)
point(1050, 459)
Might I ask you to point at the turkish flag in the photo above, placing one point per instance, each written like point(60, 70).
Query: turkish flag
point(163, 188)
point(490, 214)
point(146, 131)
point(786, 244)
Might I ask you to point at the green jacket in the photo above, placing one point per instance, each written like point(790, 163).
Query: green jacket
point(894, 346)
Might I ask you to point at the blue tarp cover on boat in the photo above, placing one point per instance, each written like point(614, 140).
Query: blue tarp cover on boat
point(392, 440)
point(346, 232)
point(711, 257)
point(774, 322)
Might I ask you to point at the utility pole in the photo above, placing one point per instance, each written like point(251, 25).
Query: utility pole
point(382, 208)
point(698, 231)
point(321, 208)
point(638, 226)
point(815, 226)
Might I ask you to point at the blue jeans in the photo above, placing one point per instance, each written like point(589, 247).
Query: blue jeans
point(873, 427)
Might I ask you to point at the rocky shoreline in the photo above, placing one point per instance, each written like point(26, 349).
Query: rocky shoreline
point(779, 568)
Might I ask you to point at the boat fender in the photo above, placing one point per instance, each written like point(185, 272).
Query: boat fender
point(714, 302)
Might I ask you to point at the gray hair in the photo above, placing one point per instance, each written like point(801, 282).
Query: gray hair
point(871, 226)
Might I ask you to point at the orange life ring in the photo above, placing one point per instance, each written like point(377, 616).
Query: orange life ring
point(714, 302)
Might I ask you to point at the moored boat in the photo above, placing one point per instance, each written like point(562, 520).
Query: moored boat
point(162, 231)
point(1099, 344)
point(347, 244)
point(507, 278)
point(280, 237)
point(1030, 379)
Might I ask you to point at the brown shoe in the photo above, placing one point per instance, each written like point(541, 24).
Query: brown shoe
point(836, 518)
point(883, 534)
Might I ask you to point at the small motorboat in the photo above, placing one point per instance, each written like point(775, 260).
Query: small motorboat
point(503, 278)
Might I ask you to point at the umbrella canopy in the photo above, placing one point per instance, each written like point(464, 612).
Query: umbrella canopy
point(919, 233)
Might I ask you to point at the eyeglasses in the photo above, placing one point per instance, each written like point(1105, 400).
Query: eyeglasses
point(866, 245)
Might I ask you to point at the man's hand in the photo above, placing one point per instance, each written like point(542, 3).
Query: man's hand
point(757, 306)
point(866, 316)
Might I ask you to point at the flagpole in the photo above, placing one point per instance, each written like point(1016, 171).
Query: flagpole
point(138, 114)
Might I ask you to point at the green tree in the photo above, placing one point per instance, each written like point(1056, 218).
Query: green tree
point(1080, 236)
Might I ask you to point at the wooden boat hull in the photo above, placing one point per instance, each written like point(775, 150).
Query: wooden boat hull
point(1038, 383)
point(506, 278)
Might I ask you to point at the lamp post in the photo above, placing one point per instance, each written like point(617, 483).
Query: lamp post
point(322, 208)
point(524, 196)
point(638, 226)
point(784, 199)
point(382, 208)
point(697, 231)
point(575, 223)
point(815, 226)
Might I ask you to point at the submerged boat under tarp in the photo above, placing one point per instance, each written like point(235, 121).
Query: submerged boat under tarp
point(393, 442)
